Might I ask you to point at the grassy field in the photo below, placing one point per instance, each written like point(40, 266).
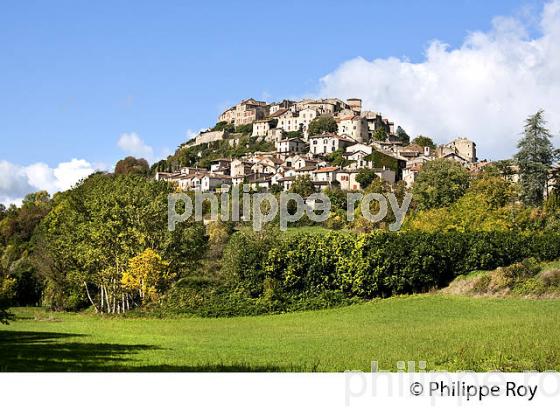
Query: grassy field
point(449, 332)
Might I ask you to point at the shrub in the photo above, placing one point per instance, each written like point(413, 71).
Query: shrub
point(527, 268)
point(481, 284)
point(551, 278)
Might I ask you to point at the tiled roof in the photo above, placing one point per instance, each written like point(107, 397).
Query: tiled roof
point(279, 112)
point(326, 169)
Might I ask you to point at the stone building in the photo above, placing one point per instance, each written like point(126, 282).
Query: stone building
point(354, 126)
point(246, 112)
point(327, 143)
point(462, 147)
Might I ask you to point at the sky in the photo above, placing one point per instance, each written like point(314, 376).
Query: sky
point(83, 84)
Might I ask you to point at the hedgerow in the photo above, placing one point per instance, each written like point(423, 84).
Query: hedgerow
point(379, 264)
point(267, 272)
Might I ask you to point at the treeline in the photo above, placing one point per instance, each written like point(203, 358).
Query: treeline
point(103, 244)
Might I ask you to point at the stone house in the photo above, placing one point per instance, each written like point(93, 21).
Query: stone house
point(376, 121)
point(291, 146)
point(368, 149)
point(347, 180)
point(261, 128)
point(240, 168)
point(288, 121)
point(354, 126)
point(463, 147)
point(221, 166)
point(285, 104)
point(263, 168)
point(358, 160)
point(327, 143)
point(325, 174)
point(212, 182)
point(246, 112)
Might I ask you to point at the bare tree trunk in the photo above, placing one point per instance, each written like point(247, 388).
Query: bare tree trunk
point(90, 299)
point(107, 300)
point(114, 296)
point(101, 289)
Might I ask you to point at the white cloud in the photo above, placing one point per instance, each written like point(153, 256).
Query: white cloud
point(190, 134)
point(16, 181)
point(132, 144)
point(483, 89)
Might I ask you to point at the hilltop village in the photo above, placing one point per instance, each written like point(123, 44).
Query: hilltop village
point(329, 140)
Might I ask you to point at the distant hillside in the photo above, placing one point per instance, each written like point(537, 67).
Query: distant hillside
point(201, 155)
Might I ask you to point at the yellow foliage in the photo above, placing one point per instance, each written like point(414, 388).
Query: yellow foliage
point(470, 213)
point(147, 273)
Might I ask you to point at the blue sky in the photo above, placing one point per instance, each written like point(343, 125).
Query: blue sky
point(76, 75)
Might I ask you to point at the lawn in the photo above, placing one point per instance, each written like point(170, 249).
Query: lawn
point(448, 332)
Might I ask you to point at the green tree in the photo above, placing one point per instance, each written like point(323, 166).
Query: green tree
point(402, 136)
point(17, 229)
point(276, 189)
point(496, 190)
point(160, 166)
point(132, 166)
point(245, 129)
point(424, 141)
point(338, 159)
point(321, 124)
point(379, 135)
point(303, 186)
point(7, 294)
point(534, 158)
point(293, 134)
point(365, 177)
point(440, 183)
point(224, 126)
point(504, 168)
point(94, 230)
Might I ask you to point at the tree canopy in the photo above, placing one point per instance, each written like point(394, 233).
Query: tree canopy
point(424, 141)
point(337, 158)
point(88, 240)
point(303, 186)
point(440, 183)
point(365, 177)
point(402, 136)
point(321, 124)
point(534, 158)
point(379, 135)
point(132, 166)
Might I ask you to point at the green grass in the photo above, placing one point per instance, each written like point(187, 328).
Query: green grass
point(448, 332)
